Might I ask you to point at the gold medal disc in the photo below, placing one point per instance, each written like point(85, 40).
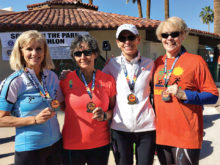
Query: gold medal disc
point(131, 99)
point(55, 103)
point(165, 96)
point(90, 107)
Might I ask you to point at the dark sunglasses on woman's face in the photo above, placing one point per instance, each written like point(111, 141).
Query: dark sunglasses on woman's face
point(129, 38)
point(85, 52)
point(173, 34)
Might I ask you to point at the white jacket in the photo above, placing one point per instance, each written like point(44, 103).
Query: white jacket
point(138, 117)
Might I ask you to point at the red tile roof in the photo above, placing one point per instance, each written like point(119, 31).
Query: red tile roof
point(73, 15)
point(64, 3)
point(60, 18)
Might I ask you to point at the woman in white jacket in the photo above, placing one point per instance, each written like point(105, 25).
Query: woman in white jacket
point(133, 119)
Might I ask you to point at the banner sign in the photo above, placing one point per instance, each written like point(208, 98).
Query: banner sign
point(58, 43)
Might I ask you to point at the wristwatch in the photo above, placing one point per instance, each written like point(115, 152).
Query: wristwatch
point(104, 116)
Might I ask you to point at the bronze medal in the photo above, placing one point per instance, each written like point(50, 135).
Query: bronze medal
point(131, 99)
point(55, 103)
point(165, 96)
point(90, 107)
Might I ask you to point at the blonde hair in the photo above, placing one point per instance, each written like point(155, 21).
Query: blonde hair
point(17, 61)
point(175, 23)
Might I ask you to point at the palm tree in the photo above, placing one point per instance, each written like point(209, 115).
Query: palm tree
point(139, 7)
point(148, 9)
point(207, 16)
point(217, 16)
point(166, 8)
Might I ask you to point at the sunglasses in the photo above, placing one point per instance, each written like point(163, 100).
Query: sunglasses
point(85, 52)
point(129, 38)
point(173, 34)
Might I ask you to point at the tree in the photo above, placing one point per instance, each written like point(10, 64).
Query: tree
point(217, 16)
point(139, 7)
point(90, 2)
point(207, 16)
point(166, 9)
point(148, 9)
point(217, 22)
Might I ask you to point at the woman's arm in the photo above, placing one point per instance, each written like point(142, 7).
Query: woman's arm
point(110, 108)
point(6, 120)
point(192, 97)
point(100, 115)
point(200, 98)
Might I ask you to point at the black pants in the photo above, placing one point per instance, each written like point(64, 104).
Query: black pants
point(123, 142)
point(95, 156)
point(179, 156)
point(46, 156)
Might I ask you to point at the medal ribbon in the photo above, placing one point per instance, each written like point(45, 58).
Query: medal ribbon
point(86, 85)
point(167, 75)
point(131, 83)
point(43, 90)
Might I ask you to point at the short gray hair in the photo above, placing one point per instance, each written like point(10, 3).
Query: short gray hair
point(89, 40)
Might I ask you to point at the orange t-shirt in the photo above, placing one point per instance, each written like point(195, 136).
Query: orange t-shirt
point(80, 131)
point(178, 124)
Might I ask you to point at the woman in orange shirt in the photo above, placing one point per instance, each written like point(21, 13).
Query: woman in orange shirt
point(182, 84)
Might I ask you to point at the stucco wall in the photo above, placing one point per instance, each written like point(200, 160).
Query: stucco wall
point(145, 47)
point(191, 44)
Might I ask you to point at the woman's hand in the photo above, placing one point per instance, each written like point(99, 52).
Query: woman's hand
point(6, 120)
point(173, 89)
point(44, 115)
point(176, 91)
point(98, 114)
point(63, 74)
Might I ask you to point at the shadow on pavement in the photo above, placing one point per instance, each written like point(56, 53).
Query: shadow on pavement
point(6, 155)
point(207, 149)
point(7, 139)
point(208, 120)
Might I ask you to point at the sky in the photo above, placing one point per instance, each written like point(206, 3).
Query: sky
point(188, 10)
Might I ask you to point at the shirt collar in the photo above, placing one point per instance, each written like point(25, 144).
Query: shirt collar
point(45, 72)
point(134, 60)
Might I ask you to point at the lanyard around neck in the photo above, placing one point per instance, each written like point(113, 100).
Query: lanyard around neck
point(86, 85)
point(43, 90)
point(167, 75)
point(131, 83)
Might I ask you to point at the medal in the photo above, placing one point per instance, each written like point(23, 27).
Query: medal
point(90, 107)
point(165, 96)
point(42, 89)
point(131, 99)
point(55, 104)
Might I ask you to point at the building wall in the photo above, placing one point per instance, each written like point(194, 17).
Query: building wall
point(191, 43)
point(147, 48)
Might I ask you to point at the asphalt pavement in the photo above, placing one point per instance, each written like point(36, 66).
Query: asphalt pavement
point(210, 153)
